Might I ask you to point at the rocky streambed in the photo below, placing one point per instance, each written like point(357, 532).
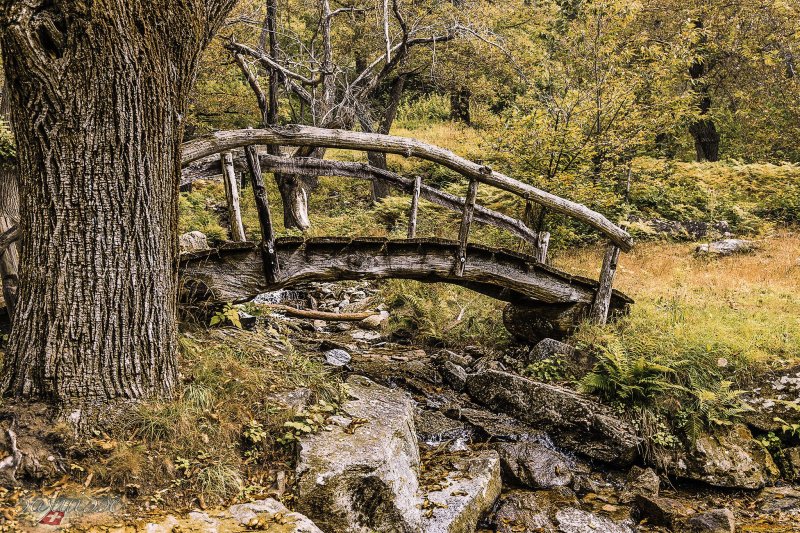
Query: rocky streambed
point(443, 441)
point(457, 441)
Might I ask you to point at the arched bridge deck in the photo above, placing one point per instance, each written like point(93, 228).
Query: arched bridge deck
point(239, 271)
point(236, 272)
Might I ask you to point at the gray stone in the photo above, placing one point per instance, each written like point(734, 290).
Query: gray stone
point(337, 357)
point(454, 375)
point(523, 511)
point(574, 520)
point(574, 421)
point(365, 479)
point(534, 465)
point(376, 321)
point(469, 493)
point(194, 241)
point(729, 459)
point(457, 358)
point(662, 511)
point(789, 461)
point(433, 428)
point(263, 511)
point(549, 349)
point(780, 500)
point(640, 481)
point(726, 247)
point(713, 521)
point(497, 426)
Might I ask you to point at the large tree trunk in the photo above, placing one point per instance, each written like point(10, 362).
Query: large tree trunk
point(98, 92)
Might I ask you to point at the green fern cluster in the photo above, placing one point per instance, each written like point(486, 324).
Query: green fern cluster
point(633, 381)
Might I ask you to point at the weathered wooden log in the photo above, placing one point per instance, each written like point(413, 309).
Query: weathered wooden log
point(319, 315)
point(602, 300)
point(236, 273)
point(271, 267)
point(320, 167)
point(232, 197)
point(296, 135)
point(412, 216)
point(466, 224)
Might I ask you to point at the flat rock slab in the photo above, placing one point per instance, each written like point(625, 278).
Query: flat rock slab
point(469, 492)
point(574, 421)
point(726, 247)
point(363, 477)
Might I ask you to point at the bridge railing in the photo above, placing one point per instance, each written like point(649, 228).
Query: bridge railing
point(223, 142)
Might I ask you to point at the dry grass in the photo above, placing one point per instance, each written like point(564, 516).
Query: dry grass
point(743, 308)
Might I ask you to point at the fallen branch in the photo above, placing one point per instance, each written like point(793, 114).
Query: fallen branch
point(9, 236)
point(319, 315)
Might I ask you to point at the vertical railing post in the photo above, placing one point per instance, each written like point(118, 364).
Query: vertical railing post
point(542, 244)
point(466, 222)
point(602, 300)
point(232, 197)
point(270, 257)
point(412, 217)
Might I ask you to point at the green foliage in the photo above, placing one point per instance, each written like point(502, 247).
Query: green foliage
point(548, 370)
point(306, 421)
point(440, 314)
point(417, 112)
point(227, 315)
point(619, 377)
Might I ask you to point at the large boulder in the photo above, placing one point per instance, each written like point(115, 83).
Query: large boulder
point(496, 426)
point(467, 494)
point(574, 421)
point(660, 511)
point(725, 247)
point(729, 459)
point(363, 477)
point(263, 513)
point(534, 465)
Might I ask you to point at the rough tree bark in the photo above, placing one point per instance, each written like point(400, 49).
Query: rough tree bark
point(98, 92)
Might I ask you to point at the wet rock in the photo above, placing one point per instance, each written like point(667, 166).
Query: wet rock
point(575, 422)
point(640, 482)
point(730, 459)
point(194, 241)
point(725, 247)
point(534, 465)
point(365, 478)
point(780, 500)
point(522, 511)
point(337, 357)
point(248, 321)
point(462, 360)
point(376, 321)
point(496, 426)
point(662, 511)
point(434, 428)
point(577, 521)
point(454, 375)
point(788, 460)
point(469, 493)
point(713, 521)
point(262, 513)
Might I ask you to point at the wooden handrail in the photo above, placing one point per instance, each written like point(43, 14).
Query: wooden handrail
point(296, 135)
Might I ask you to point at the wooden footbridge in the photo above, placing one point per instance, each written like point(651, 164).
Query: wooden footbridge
point(241, 270)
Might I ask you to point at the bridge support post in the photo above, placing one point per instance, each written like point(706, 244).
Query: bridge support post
point(602, 300)
point(466, 222)
point(412, 217)
point(269, 255)
point(542, 244)
point(232, 197)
